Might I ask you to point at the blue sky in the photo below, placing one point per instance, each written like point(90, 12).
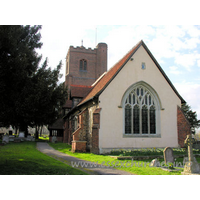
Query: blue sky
point(176, 48)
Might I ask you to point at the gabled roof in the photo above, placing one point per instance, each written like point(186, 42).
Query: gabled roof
point(80, 91)
point(110, 75)
point(68, 104)
point(58, 124)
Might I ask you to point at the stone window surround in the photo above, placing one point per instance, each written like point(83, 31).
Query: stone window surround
point(158, 107)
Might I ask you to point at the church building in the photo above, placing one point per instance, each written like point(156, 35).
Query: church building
point(133, 105)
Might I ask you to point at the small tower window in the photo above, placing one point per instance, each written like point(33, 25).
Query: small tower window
point(83, 65)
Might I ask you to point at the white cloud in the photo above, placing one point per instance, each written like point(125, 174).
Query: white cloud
point(121, 39)
point(175, 70)
point(187, 60)
point(198, 63)
point(174, 46)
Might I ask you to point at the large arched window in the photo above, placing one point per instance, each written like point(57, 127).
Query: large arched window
point(141, 111)
point(83, 65)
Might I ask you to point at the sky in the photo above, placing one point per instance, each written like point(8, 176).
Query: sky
point(175, 47)
point(65, 23)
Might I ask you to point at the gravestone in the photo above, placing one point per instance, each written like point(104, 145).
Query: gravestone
point(168, 155)
point(191, 165)
point(21, 134)
point(54, 139)
point(30, 138)
point(5, 139)
point(11, 138)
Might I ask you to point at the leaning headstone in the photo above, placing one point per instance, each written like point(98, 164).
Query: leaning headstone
point(5, 139)
point(54, 139)
point(191, 165)
point(168, 155)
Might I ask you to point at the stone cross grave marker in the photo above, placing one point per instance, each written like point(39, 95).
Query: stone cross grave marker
point(168, 155)
point(191, 166)
point(188, 141)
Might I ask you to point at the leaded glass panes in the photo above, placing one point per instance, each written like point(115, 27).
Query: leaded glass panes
point(83, 65)
point(133, 99)
point(141, 91)
point(144, 120)
point(152, 120)
point(130, 98)
point(146, 99)
point(140, 112)
point(128, 119)
point(136, 120)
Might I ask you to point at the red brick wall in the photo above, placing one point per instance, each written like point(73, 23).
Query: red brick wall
point(79, 136)
point(183, 127)
point(67, 134)
point(79, 146)
point(96, 64)
point(95, 132)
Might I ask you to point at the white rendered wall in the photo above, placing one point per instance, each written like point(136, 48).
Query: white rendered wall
point(111, 128)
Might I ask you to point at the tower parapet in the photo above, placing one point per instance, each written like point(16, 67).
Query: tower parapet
point(85, 65)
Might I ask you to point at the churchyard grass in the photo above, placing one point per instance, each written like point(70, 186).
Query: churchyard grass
point(139, 167)
point(24, 159)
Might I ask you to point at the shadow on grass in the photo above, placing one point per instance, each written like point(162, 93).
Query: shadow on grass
point(25, 159)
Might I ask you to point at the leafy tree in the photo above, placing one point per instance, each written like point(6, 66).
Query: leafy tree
point(191, 117)
point(47, 96)
point(30, 95)
point(18, 63)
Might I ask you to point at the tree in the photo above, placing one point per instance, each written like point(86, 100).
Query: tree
point(18, 63)
point(47, 96)
point(191, 117)
point(30, 95)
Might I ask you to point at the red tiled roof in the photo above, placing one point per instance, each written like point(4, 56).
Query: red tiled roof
point(108, 77)
point(58, 124)
point(68, 104)
point(80, 90)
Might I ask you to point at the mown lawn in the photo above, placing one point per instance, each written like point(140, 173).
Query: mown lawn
point(138, 167)
point(24, 159)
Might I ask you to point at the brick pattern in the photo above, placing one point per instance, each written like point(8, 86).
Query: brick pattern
point(183, 127)
point(95, 132)
point(80, 135)
point(96, 65)
point(79, 146)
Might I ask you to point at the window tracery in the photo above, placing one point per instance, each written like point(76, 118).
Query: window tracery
point(140, 107)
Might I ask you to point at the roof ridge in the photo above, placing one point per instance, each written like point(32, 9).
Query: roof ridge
point(111, 73)
point(137, 45)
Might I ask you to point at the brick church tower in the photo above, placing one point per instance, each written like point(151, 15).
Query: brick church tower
point(85, 66)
